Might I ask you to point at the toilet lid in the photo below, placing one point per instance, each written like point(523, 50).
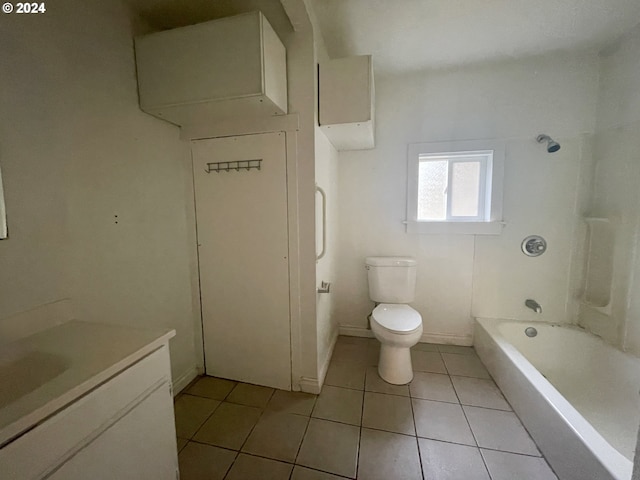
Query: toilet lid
point(397, 318)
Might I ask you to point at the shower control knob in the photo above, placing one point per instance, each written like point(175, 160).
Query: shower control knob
point(534, 246)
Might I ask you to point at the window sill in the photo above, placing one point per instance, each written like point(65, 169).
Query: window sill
point(458, 228)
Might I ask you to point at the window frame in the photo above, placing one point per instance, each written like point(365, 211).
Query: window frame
point(488, 224)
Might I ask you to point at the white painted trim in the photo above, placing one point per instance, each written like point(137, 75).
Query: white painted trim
point(353, 331)
point(494, 195)
point(442, 339)
point(185, 379)
point(327, 360)
point(461, 228)
point(241, 126)
point(295, 313)
point(446, 339)
point(310, 385)
point(314, 385)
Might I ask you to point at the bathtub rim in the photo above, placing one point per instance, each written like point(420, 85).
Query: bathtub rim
point(615, 463)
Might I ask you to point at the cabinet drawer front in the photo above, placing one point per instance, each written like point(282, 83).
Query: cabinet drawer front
point(51, 443)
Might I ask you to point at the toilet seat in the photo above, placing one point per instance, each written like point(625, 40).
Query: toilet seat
point(397, 318)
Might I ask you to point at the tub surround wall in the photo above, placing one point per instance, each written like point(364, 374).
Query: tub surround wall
point(96, 190)
point(615, 192)
point(462, 276)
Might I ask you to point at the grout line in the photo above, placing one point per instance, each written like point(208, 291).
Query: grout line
point(262, 410)
point(323, 471)
point(513, 453)
point(306, 429)
point(415, 429)
point(473, 434)
point(360, 429)
point(232, 464)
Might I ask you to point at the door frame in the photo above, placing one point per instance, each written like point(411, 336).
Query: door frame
point(289, 125)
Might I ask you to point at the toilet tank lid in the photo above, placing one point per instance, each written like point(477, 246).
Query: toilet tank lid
point(391, 261)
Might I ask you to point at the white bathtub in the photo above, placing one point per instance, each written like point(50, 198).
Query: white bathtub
point(577, 396)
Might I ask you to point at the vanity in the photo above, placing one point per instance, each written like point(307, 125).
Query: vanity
point(82, 400)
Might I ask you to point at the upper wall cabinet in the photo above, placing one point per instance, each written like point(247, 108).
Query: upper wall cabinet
point(346, 102)
point(234, 66)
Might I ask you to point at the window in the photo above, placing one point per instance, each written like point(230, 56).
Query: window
point(455, 188)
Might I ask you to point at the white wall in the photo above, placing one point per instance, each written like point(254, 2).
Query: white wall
point(326, 178)
point(615, 193)
point(461, 276)
point(76, 152)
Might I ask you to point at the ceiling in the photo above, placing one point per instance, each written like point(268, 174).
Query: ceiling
point(413, 35)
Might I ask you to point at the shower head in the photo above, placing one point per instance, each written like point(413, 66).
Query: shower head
point(552, 145)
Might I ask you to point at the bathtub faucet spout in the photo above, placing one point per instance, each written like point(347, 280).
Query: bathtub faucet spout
point(533, 305)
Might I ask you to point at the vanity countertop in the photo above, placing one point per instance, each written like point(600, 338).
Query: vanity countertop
point(44, 372)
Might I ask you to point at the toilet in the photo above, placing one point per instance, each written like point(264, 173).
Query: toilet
point(397, 326)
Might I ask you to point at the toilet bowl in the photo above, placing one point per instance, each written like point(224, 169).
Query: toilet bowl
point(397, 327)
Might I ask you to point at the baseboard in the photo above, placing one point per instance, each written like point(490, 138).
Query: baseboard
point(441, 338)
point(327, 359)
point(447, 339)
point(185, 379)
point(314, 385)
point(352, 331)
point(310, 385)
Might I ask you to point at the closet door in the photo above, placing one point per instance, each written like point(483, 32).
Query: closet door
point(243, 254)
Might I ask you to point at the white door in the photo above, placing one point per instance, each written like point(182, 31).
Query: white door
point(243, 254)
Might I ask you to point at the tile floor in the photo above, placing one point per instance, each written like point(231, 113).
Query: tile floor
point(450, 423)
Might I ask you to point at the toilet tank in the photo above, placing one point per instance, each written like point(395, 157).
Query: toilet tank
point(391, 279)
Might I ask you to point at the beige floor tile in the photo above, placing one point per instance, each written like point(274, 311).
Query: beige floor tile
point(229, 426)
point(433, 386)
point(181, 443)
point(304, 473)
point(373, 354)
point(292, 402)
point(507, 466)
point(441, 421)
point(373, 383)
point(427, 362)
point(500, 430)
point(330, 447)
point(385, 456)
point(479, 392)
point(204, 462)
point(350, 354)
point(456, 349)
point(465, 365)
point(450, 461)
point(250, 395)
point(388, 412)
point(210, 387)
point(425, 347)
point(339, 404)
point(345, 375)
point(247, 467)
point(277, 436)
point(191, 412)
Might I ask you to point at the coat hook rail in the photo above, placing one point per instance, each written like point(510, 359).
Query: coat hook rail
point(237, 165)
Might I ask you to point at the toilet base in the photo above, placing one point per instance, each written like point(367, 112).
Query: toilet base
point(394, 365)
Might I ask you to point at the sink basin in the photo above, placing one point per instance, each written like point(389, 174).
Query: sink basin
point(22, 372)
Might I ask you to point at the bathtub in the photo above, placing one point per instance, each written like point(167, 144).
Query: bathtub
point(576, 395)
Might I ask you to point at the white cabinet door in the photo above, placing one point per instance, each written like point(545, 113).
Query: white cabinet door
point(139, 446)
point(243, 255)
